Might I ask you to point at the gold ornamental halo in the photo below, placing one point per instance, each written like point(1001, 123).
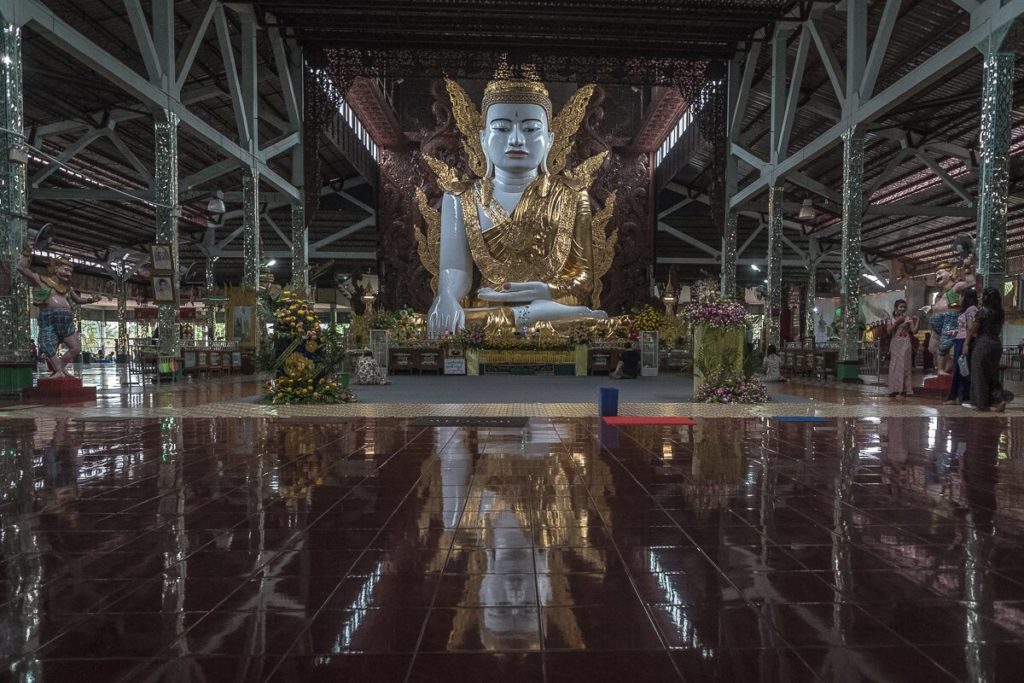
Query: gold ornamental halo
point(470, 121)
point(428, 245)
point(565, 126)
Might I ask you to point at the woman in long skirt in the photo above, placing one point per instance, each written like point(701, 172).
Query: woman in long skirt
point(901, 361)
point(986, 349)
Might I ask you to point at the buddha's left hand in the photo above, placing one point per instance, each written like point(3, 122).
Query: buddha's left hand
point(516, 292)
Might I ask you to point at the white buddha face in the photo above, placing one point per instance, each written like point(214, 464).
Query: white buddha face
point(515, 137)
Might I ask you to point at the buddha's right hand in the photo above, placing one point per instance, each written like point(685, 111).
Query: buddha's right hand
point(516, 292)
point(446, 315)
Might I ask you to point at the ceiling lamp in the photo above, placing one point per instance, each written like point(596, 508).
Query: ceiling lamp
point(807, 211)
point(215, 208)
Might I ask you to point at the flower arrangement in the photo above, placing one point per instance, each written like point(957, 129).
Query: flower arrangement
point(733, 390)
point(715, 314)
point(308, 388)
point(305, 357)
point(621, 327)
point(580, 334)
point(705, 290)
point(646, 319)
point(672, 332)
point(294, 317)
point(407, 326)
point(537, 340)
point(470, 337)
point(381, 320)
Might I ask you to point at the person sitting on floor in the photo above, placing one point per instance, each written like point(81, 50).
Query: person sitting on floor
point(628, 365)
point(772, 365)
point(368, 371)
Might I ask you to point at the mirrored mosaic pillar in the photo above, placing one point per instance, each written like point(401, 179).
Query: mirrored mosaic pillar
point(853, 213)
point(167, 210)
point(300, 248)
point(994, 167)
point(842, 528)
point(15, 344)
point(773, 302)
point(211, 311)
point(122, 316)
point(23, 591)
point(251, 229)
point(728, 280)
point(811, 287)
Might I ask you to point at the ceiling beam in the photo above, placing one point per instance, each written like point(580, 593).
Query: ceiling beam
point(941, 63)
point(55, 30)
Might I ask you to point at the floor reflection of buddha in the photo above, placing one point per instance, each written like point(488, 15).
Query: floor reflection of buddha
point(527, 231)
point(515, 502)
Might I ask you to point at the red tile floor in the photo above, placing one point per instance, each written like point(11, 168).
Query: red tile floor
point(252, 549)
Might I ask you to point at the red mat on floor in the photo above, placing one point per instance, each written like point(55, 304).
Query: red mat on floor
point(625, 420)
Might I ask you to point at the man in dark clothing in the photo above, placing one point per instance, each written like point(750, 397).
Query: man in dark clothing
point(629, 363)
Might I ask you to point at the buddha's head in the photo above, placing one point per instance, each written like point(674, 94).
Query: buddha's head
point(516, 136)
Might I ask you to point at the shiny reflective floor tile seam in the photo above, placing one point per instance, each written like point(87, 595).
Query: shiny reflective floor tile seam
point(228, 410)
point(113, 602)
point(537, 588)
point(700, 549)
point(861, 545)
point(297, 533)
point(648, 609)
point(134, 537)
point(394, 512)
point(238, 467)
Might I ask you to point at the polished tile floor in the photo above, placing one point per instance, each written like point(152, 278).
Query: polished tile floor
point(235, 396)
point(324, 549)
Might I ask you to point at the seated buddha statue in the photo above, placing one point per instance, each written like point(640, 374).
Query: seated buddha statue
point(522, 235)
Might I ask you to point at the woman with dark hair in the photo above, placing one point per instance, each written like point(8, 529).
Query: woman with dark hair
point(985, 348)
point(960, 388)
point(900, 328)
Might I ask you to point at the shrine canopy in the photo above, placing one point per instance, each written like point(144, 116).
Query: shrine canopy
point(652, 42)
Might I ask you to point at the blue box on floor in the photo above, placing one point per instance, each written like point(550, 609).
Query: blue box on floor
point(608, 402)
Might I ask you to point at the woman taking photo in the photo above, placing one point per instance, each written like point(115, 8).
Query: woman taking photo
point(985, 349)
point(900, 328)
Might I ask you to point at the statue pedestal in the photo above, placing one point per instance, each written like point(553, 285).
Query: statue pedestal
point(717, 354)
point(60, 390)
point(939, 383)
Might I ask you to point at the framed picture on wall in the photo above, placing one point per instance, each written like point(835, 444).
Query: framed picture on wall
point(242, 330)
point(163, 261)
point(163, 289)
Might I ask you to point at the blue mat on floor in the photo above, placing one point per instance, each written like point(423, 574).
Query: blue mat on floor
point(801, 419)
